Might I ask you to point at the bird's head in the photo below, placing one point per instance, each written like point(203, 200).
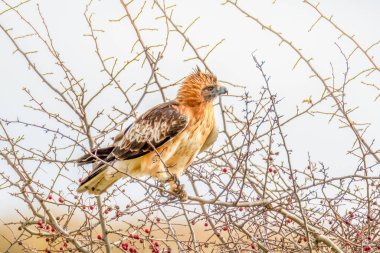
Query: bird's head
point(200, 88)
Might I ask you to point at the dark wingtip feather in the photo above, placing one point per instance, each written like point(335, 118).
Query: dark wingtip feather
point(85, 159)
point(96, 154)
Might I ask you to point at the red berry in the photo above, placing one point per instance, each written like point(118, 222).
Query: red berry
point(53, 230)
point(156, 244)
point(47, 239)
point(241, 209)
point(147, 230)
point(124, 246)
point(83, 207)
point(225, 228)
point(348, 243)
point(367, 248)
point(158, 219)
point(193, 222)
point(225, 170)
point(99, 237)
point(60, 200)
point(253, 246)
point(106, 212)
point(47, 227)
point(50, 197)
point(61, 248)
point(270, 170)
point(65, 244)
point(39, 222)
point(91, 207)
point(136, 236)
point(206, 224)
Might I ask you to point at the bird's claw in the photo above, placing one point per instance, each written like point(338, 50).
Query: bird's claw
point(176, 187)
point(162, 191)
point(181, 193)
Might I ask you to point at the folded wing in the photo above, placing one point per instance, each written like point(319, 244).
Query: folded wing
point(151, 130)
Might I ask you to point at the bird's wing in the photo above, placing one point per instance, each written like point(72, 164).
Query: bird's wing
point(151, 130)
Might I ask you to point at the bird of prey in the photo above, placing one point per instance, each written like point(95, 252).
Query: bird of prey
point(162, 142)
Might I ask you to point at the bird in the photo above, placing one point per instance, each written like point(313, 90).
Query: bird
point(162, 142)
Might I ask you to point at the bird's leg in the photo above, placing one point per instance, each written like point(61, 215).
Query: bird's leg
point(172, 180)
point(176, 187)
point(165, 177)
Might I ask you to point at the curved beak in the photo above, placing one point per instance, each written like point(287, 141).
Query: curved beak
point(222, 90)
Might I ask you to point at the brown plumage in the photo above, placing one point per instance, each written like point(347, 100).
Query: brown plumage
point(177, 130)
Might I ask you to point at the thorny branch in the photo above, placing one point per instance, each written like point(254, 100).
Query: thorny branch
point(246, 193)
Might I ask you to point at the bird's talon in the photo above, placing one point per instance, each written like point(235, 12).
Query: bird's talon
point(181, 193)
point(161, 190)
point(182, 196)
point(180, 187)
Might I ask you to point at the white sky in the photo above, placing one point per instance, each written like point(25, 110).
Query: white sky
point(231, 61)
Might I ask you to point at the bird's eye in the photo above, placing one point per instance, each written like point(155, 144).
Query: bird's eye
point(210, 88)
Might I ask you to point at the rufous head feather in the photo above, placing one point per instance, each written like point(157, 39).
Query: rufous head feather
point(199, 88)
